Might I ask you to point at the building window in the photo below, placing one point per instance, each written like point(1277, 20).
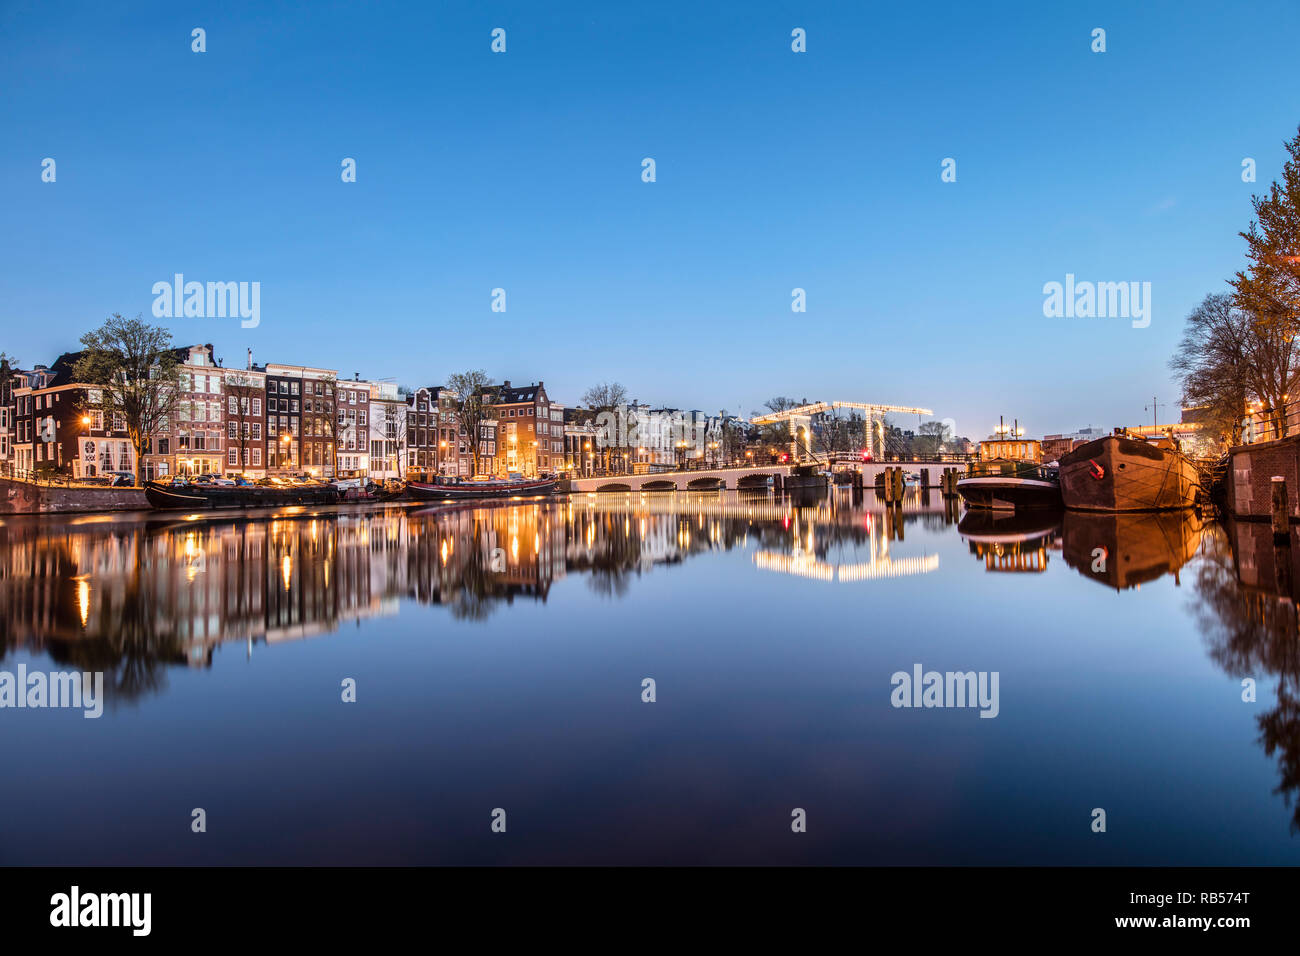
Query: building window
point(231, 458)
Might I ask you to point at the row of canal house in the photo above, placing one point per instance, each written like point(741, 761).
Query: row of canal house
point(273, 420)
point(525, 434)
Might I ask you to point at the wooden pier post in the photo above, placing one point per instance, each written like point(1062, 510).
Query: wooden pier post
point(1281, 518)
point(898, 483)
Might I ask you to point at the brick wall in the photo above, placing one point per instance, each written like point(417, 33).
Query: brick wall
point(1250, 473)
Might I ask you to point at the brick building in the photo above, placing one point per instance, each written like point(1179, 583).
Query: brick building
point(245, 393)
point(299, 419)
point(527, 439)
point(352, 427)
point(54, 428)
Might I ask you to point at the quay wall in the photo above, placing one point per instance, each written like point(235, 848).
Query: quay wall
point(23, 497)
point(1250, 472)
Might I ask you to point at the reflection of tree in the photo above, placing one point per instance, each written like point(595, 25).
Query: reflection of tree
point(609, 572)
point(1251, 633)
point(131, 599)
point(132, 652)
point(480, 587)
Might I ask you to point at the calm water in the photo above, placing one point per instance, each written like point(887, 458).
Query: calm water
point(499, 653)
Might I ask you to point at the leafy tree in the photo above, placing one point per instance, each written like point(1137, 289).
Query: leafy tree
point(1268, 289)
point(136, 374)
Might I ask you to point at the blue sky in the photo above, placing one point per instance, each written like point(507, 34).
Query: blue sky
point(775, 170)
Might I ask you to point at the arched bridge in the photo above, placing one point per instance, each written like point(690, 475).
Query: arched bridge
point(757, 476)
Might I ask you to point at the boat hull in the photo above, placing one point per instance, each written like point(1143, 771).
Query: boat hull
point(471, 490)
point(240, 496)
point(1009, 493)
point(1119, 474)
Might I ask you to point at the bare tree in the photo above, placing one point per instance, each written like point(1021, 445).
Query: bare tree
point(241, 389)
point(394, 423)
point(136, 374)
point(608, 397)
point(470, 395)
point(605, 397)
point(931, 439)
point(1213, 363)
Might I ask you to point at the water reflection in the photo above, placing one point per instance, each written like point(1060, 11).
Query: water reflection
point(129, 596)
point(1016, 542)
point(1246, 589)
point(813, 600)
point(1127, 550)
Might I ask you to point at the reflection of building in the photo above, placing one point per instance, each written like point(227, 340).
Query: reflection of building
point(131, 597)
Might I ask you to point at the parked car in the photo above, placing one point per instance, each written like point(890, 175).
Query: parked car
point(120, 479)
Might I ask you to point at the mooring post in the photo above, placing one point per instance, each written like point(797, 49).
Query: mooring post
point(1281, 519)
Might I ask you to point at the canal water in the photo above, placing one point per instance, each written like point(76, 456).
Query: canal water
point(502, 659)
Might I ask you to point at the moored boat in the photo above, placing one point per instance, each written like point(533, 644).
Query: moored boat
point(196, 497)
point(1010, 476)
point(1119, 473)
point(455, 489)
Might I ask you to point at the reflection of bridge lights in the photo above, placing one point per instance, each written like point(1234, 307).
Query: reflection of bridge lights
point(804, 565)
point(286, 570)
